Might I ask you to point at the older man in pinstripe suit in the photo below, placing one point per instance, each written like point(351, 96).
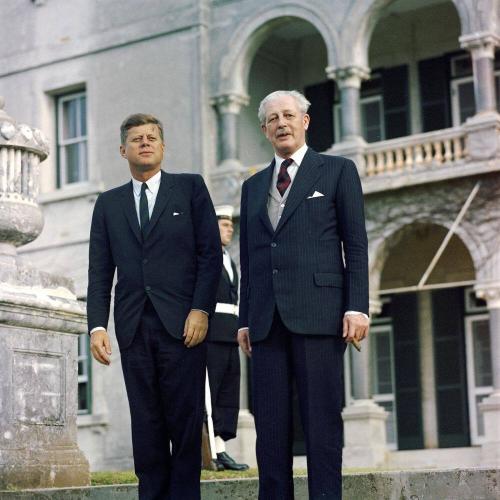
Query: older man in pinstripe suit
point(304, 294)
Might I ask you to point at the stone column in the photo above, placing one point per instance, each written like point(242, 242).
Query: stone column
point(40, 320)
point(484, 127)
point(349, 83)
point(490, 406)
point(227, 178)
point(228, 109)
point(365, 439)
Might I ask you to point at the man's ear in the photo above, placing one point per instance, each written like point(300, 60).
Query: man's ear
point(306, 121)
point(122, 151)
point(263, 128)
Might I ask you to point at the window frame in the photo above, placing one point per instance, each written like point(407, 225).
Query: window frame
point(337, 116)
point(85, 378)
point(62, 143)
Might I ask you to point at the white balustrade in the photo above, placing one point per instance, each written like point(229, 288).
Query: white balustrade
point(430, 150)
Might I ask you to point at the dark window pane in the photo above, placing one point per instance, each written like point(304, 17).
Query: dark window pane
point(72, 162)
point(83, 115)
point(69, 125)
point(482, 353)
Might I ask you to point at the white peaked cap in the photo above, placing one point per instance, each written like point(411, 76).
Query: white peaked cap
point(224, 212)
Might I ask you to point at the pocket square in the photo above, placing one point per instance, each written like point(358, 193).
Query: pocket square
point(316, 194)
point(176, 213)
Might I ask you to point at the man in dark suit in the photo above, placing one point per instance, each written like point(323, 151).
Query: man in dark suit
point(304, 294)
point(223, 361)
point(159, 232)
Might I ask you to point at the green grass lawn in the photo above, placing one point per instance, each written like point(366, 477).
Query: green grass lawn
point(127, 477)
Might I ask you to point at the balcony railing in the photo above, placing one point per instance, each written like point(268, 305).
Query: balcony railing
point(429, 150)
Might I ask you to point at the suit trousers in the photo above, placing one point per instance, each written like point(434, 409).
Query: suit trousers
point(223, 365)
point(315, 363)
point(165, 384)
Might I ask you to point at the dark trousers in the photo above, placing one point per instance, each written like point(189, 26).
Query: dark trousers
point(165, 384)
point(315, 362)
point(223, 365)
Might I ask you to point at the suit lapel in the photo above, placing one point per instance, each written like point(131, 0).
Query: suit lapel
point(164, 193)
point(128, 203)
point(305, 178)
point(262, 193)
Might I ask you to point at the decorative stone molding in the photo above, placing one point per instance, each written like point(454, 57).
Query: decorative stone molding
point(480, 44)
point(490, 292)
point(230, 103)
point(350, 76)
point(226, 180)
point(22, 148)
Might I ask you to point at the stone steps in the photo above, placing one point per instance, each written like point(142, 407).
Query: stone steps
point(456, 484)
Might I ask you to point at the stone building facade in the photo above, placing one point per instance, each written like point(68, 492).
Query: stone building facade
point(407, 88)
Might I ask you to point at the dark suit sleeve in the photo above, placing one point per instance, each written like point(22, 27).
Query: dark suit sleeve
point(243, 311)
point(350, 213)
point(208, 248)
point(101, 270)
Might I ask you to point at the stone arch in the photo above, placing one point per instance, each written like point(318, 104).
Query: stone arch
point(234, 67)
point(381, 247)
point(361, 21)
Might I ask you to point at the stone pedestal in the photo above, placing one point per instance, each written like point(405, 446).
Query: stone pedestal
point(242, 449)
point(490, 450)
point(38, 388)
point(364, 434)
point(483, 136)
point(40, 320)
point(354, 149)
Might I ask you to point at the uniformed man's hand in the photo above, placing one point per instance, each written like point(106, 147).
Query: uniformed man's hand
point(355, 327)
point(100, 346)
point(244, 341)
point(195, 328)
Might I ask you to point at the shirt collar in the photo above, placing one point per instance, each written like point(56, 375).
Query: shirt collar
point(297, 157)
point(153, 184)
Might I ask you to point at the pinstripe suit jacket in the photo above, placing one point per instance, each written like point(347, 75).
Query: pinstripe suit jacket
point(298, 267)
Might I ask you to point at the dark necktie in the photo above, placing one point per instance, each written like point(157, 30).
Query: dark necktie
point(284, 179)
point(143, 208)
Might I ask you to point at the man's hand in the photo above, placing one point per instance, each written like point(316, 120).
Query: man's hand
point(195, 328)
point(101, 346)
point(355, 327)
point(244, 341)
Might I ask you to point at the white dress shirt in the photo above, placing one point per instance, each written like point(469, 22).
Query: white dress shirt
point(226, 260)
point(153, 185)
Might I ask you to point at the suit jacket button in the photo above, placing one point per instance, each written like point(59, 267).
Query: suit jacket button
point(144, 261)
point(148, 289)
point(274, 244)
point(275, 271)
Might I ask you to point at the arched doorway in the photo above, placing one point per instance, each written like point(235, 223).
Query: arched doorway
point(430, 345)
point(293, 56)
point(416, 66)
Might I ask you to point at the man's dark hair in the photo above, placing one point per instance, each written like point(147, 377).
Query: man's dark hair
point(135, 121)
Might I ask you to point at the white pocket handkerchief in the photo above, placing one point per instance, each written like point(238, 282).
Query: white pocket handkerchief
point(176, 213)
point(316, 194)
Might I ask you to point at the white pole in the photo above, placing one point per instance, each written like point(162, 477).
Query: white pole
point(210, 422)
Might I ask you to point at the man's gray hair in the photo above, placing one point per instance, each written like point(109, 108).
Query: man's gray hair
point(302, 102)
